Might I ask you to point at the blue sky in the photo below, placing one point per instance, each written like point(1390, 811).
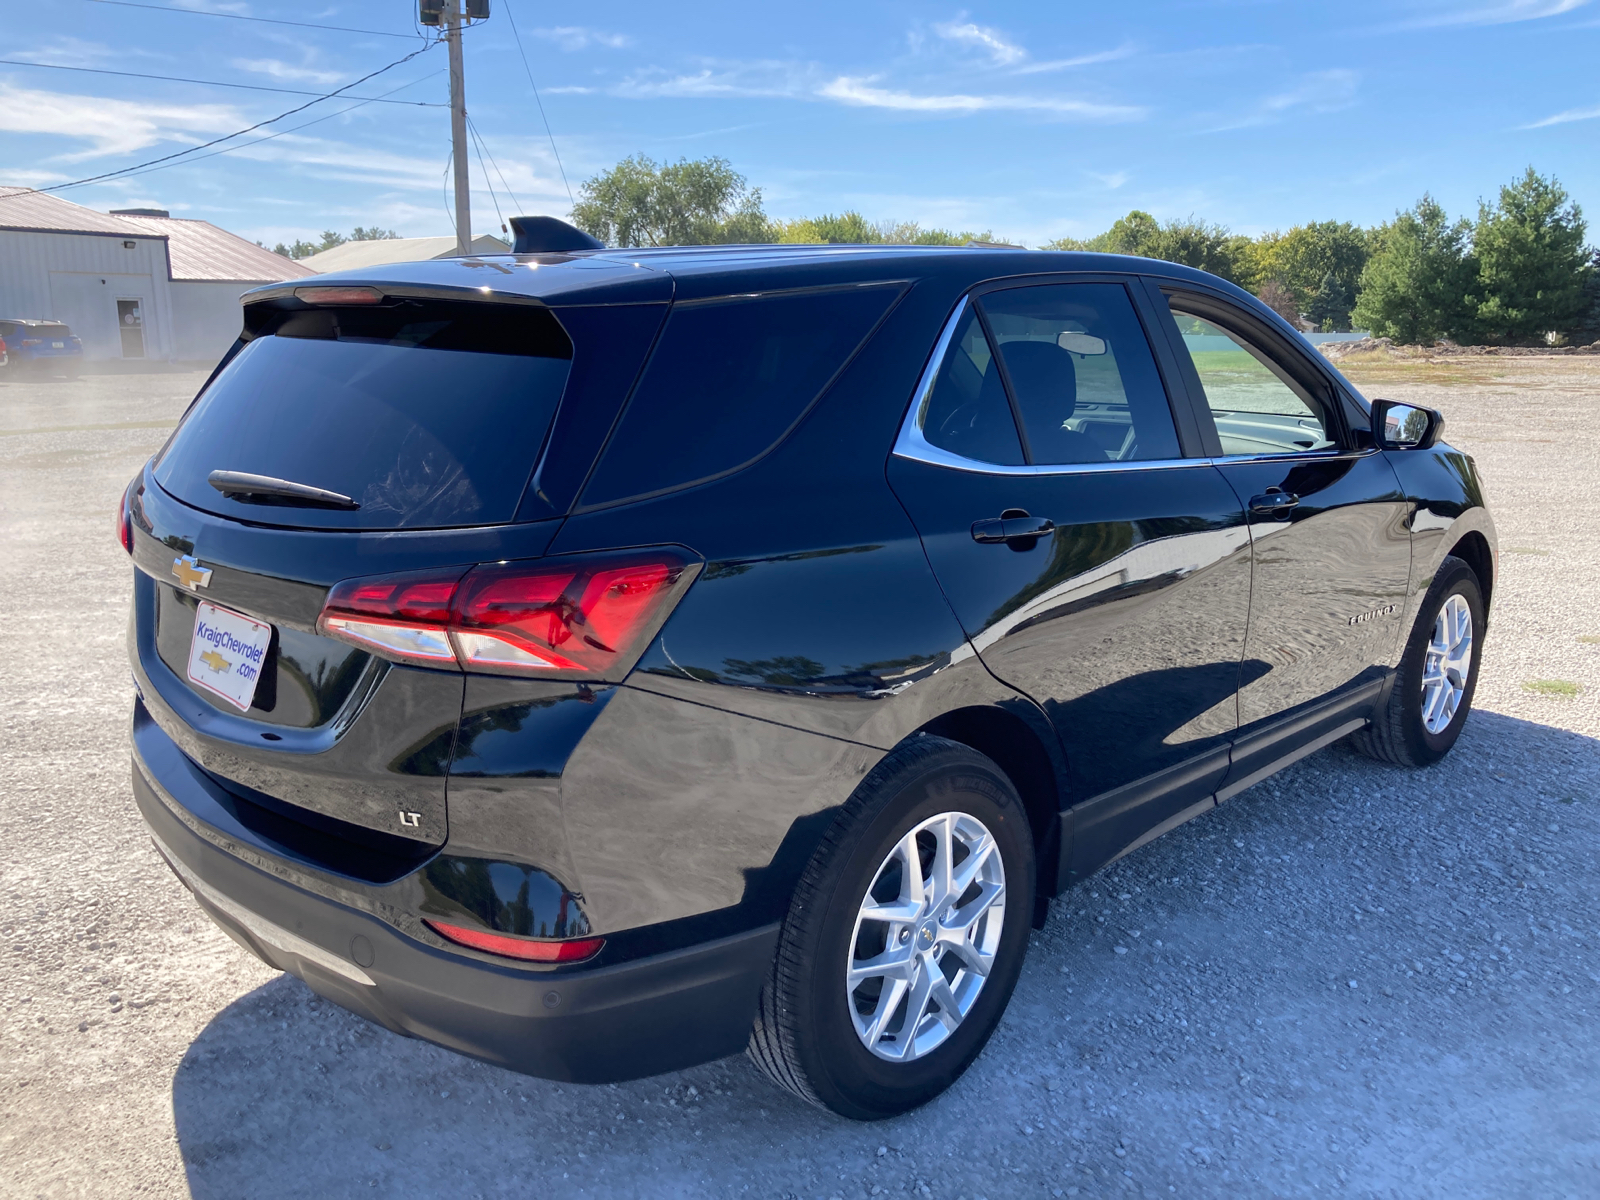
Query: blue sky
point(1033, 120)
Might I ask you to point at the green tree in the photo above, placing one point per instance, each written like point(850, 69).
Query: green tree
point(298, 250)
point(1331, 304)
point(1532, 263)
point(640, 202)
point(331, 238)
point(1190, 242)
point(847, 229)
point(1312, 255)
point(1414, 288)
point(909, 233)
point(1136, 233)
point(851, 228)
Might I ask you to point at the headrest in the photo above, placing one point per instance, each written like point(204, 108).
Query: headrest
point(1043, 375)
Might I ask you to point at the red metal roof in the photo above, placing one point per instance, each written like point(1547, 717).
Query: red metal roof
point(197, 251)
point(24, 208)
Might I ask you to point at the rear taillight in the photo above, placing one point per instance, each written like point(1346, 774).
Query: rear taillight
point(585, 616)
point(124, 517)
point(529, 949)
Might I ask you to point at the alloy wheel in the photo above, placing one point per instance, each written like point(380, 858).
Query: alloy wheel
point(1447, 664)
point(925, 936)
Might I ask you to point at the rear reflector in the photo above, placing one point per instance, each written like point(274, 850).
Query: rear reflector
point(585, 616)
point(339, 295)
point(125, 522)
point(527, 949)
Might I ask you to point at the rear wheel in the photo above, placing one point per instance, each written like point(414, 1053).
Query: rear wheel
point(1432, 691)
point(905, 937)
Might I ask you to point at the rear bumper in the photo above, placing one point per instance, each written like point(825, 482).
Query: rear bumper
point(609, 1023)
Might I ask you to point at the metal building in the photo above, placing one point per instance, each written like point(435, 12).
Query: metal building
point(132, 284)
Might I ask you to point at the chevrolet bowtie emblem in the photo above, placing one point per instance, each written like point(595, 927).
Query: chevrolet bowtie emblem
point(215, 661)
point(190, 573)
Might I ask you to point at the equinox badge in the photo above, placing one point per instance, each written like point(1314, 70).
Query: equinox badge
point(188, 571)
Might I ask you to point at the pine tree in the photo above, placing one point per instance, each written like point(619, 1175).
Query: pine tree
point(1414, 289)
point(1330, 306)
point(1532, 262)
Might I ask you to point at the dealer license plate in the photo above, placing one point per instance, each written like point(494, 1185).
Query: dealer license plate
point(58, 345)
point(227, 654)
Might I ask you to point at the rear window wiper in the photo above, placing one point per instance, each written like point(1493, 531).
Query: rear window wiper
point(264, 489)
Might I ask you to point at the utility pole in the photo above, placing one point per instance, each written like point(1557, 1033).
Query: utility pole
point(458, 127)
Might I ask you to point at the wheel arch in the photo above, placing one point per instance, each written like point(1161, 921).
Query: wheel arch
point(1474, 549)
point(1031, 758)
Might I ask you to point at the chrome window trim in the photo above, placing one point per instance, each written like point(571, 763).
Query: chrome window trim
point(911, 444)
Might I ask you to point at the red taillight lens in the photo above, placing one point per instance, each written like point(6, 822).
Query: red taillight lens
point(528, 949)
point(124, 517)
point(398, 616)
point(578, 616)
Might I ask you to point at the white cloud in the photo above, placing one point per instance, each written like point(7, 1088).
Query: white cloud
point(577, 37)
point(71, 52)
point(1083, 60)
point(111, 126)
point(1505, 13)
point(777, 79)
point(1003, 52)
point(1563, 118)
point(1321, 92)
point(1112, 181)
point(275, 68)
point(991, 41)
point(719, 79)
point(861, 91)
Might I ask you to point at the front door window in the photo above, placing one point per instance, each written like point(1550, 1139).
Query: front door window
point(1258, 408)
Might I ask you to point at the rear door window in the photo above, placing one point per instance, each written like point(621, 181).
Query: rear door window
point(968, 412)
point(1082, 374)
point(729, 378)
point(428, 414)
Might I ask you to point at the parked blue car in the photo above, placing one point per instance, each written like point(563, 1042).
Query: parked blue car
point(41, 345)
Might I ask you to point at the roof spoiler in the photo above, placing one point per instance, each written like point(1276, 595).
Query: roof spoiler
point(546, 235)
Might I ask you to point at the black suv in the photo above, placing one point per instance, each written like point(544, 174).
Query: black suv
point(602, 662)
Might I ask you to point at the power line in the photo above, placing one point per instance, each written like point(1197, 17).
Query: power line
point(493, 199)
point(281, 133)
point(250, 129)
point(484, 149)
point(249, 87)
point(516, 34)
point(195, 12)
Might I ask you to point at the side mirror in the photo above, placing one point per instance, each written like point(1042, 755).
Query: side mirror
point(1397, 426)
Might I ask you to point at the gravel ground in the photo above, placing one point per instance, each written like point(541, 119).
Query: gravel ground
point(1350, 979)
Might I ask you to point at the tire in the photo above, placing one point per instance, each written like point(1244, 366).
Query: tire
point(811, 1034)
point(1400, 732)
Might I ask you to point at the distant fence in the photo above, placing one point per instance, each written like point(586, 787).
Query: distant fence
point(1316, 339)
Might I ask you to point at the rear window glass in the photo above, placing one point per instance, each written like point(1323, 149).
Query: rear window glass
point(729, 378)
point(428, 414)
